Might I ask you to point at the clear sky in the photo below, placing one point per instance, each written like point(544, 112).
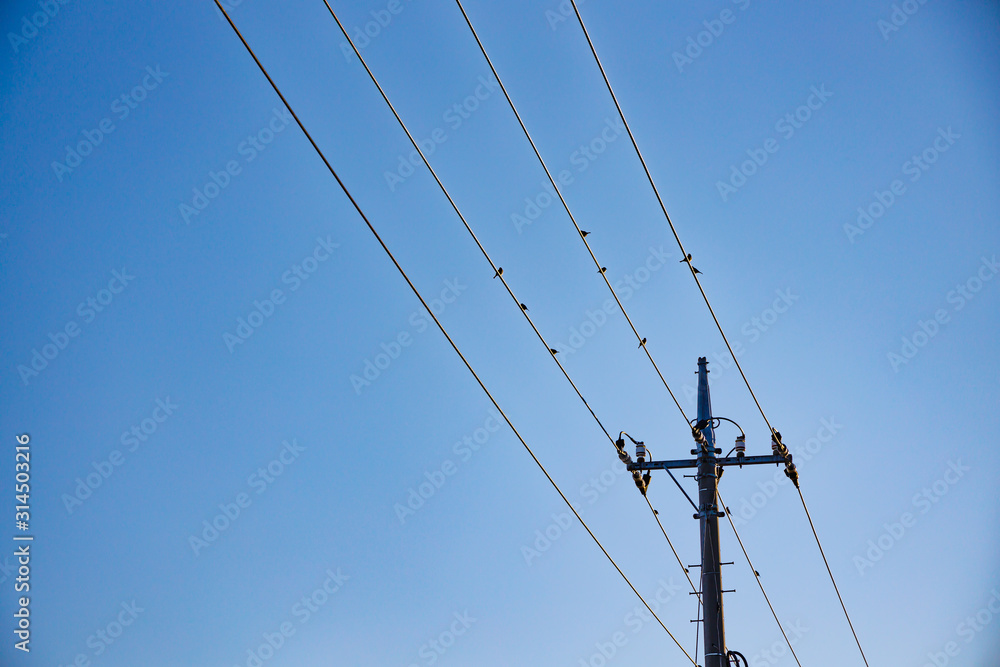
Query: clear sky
point(249, 448)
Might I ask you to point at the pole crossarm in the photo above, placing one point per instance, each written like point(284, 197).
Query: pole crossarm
point(693, 463)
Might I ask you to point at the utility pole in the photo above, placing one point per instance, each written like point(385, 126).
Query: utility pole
point(710, 468)
point(708, 514)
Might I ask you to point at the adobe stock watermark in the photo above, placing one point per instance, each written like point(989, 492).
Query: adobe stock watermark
point(968, 630)
point(303, 610)
point(753, 329)
point(420, 321)
point(249, 149)
point(454, 117)
point(562, 13)
point(31, 25)
point(593, 490)
point(381, 19)
point(131, 440)
point(433, 649)
point(696, 44)
point(786, 126)
point(434, 479)
point(581, 160)
point(626, 288)
point(925, 330)
point(259, 481)
point(264, 309)
point(914, 168)
point(898, 17)
point(924, 500)
point(749, 506)
point(229, 6)
point(87, 310)
point(121, 107)
point(105, 636)
point(6, 569)
point(778, 649)
point(635, 621)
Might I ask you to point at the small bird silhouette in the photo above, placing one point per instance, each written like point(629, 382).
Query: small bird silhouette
point(642, 342)
point(524, 308)
point(583, 233)
point(553, 350)
point(688, 260)
point(499, 272)
point(602, 269)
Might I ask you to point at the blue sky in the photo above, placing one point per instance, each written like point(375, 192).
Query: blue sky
point(200, 216)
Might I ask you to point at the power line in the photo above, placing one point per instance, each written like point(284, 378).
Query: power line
point(830, 572)
point(440, 326)
point(679, 561)
point(498, 272)
point(555, 187)
point(680, 245)
point(683, 252)
point(694, 274)
point(756, 576)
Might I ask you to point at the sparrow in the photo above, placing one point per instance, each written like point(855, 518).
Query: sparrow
point(642, 342)
point(524, 308)
point(688, 260)
point(602, 269)
point(553, 350)
point(499, 272)
point(583, 233)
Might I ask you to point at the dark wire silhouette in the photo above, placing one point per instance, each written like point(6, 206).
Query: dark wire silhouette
point(694, 274)
point(430, 312)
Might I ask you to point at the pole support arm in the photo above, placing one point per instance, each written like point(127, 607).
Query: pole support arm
point(693, 463)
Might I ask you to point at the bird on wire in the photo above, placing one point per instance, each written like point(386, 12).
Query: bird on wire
point(524, 308)
point(553, 350)
point(642, 342)
point(688, 260)
point(584, 234)
point(498, 273)
point(602, 269)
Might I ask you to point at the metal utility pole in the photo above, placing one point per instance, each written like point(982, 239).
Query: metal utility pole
point(708, 514)
point(710, 467)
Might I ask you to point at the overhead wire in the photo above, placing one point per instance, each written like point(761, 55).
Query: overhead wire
point(830, 572)
point(562, 199)
point(555, 186)
point(756, 576)
point(440, 326)
point(656, 515)
point(708, 303)
point(663, 208)
point(498, 272)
